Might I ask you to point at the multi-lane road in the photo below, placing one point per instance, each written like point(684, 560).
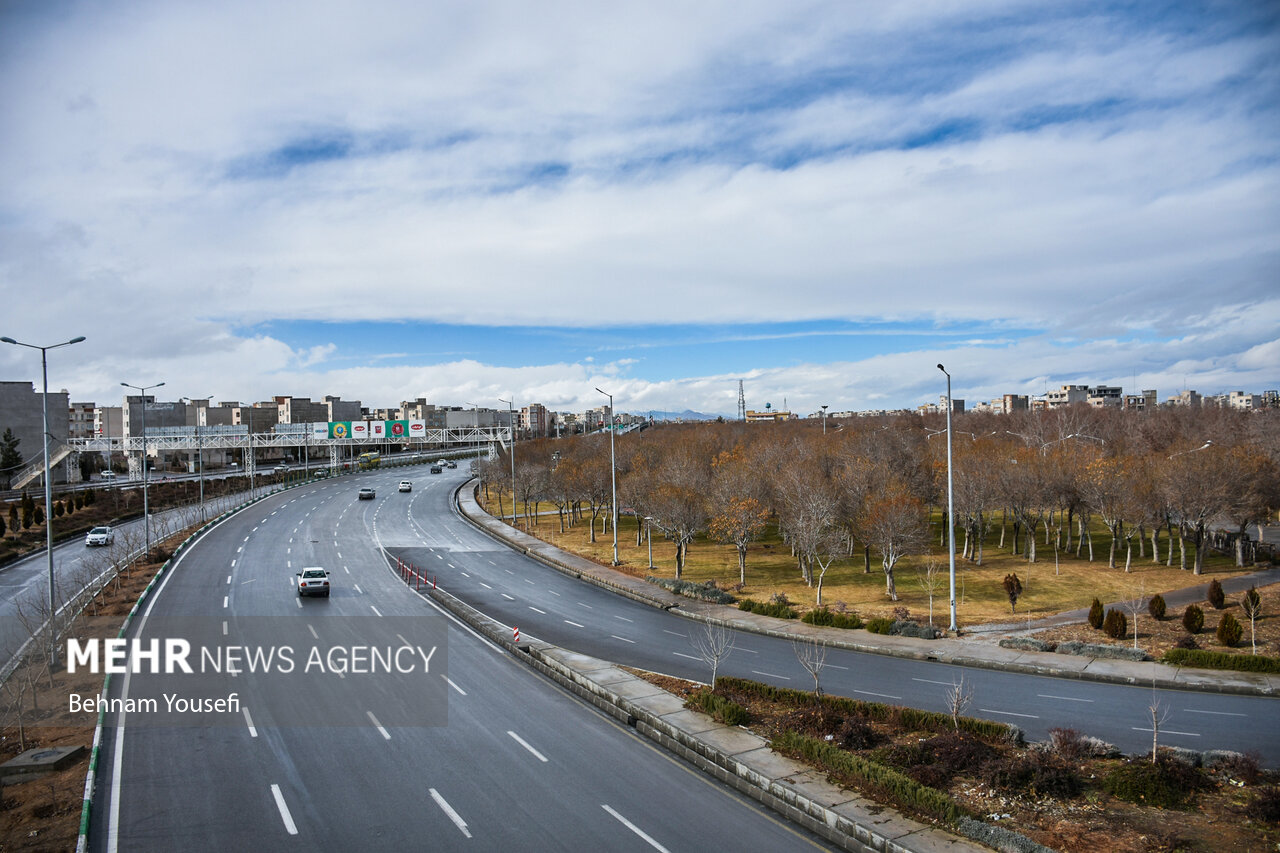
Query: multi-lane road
point(344, 763)
point(352, 763)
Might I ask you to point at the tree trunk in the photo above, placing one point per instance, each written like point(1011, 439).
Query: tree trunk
point(1004, 520)
point(742, 563)
point(866, 560)
point(889, 587)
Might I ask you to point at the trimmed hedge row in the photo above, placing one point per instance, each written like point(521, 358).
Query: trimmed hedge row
point(1221, 660)
point(823, 617)
point(781, 611)
point(899, 788)
point(913, 718)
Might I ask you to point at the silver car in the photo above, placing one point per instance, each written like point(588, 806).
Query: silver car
point(100, 536)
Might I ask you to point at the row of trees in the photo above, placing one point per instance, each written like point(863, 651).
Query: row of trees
point(873, 485)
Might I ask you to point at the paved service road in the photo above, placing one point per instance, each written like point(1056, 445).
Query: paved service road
point(514, 764)
point(559, 609)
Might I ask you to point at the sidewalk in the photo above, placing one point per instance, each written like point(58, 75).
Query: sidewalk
point(950, 650)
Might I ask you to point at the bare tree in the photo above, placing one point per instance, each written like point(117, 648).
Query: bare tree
point(1251, 604)
point(1159, 714)
point(1136, 604)
point(895, 523)
point(959, 697)
point(930, 581)
point(812, 655)
point(713, 644)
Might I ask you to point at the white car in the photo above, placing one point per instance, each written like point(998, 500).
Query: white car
point(313, 580)
point(406, 486)
point(100, 536)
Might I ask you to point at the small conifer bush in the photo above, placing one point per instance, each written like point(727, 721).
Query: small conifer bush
point(1095, 615)
point(1215, 595)
point(1156, 607)
point(1193, 619)
point(1229, 630)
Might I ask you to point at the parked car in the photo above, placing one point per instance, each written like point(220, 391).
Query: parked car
point(100, 536)
point(367, 494)
point(313, 580)
point(406, 486)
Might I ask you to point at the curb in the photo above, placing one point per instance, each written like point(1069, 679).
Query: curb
point(1048, 664)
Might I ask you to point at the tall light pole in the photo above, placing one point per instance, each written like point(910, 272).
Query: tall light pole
point(613, 475)
point(511, 420)
point(48, 487)
point(146, 513)
point(824, 418)
point(951, 511)
point(200, 451)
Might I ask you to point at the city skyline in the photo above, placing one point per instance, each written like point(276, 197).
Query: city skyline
point(466, 204)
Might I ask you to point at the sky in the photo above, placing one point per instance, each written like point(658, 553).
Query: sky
point(388, 200)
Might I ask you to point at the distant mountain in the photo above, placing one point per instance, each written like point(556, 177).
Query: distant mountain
point(686, 415)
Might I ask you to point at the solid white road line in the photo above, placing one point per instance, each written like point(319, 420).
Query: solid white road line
point(224, 627)
point(536, 610)
point(253, 732)
point(623, 618)
point(623, 639)
point(881, 695)
point(375, 610)
point(637, 830)
point(377, 725)
point(508, 597)
point(448, 810)
point(683, 655)
point(674, 633)
point(1061, 698)
point(521, 741)
point(225, 600)
point(770, 674)
point(1008, 713)
point(931, 681)
point(485, 585)
point(313, 631)
point(1216, 713)
point(588, 606)
point(358, 589)
point(553, 592)
point(289, 825)
point(228, 578)
point(454, 686)
point(575, 624)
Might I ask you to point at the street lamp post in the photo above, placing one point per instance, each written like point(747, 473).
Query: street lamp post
point(613, 474)
point(511, 420)
point(648, 534)
point(200, 451)
point(951, 511)
point(146, 514)
point(48, 487)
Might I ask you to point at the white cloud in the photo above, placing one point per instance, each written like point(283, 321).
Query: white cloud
point(727, 163)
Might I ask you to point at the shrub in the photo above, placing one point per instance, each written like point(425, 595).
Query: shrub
point(1116, 625)
point(1027, 644)
point(57, 509)
point(1035, 775)
point(880, 625)
point(772, 608)
point(1067, 743)
point(701, 591)
point(914, 629)
point(1221, 660)
point(1215, 596)
point(1245, 767)
point(1166, 784)
point(718, 707)
point(1186, 642)
point(1095, 615)
point(1265, 807)
point(998, 837)
point(1229, 630)
point(1156, 607)
point(1193, 619)
point(826, 618)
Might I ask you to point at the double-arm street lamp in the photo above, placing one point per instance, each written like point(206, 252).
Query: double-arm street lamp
point(146, 514)
point(951, 511)
point(48, 488)
point(613, 474)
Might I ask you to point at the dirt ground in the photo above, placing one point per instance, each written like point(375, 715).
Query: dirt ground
point(43, 813)
point(1158, 637)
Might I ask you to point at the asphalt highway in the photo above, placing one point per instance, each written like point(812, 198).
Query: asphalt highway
point(471, 752)
point(554, 607)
